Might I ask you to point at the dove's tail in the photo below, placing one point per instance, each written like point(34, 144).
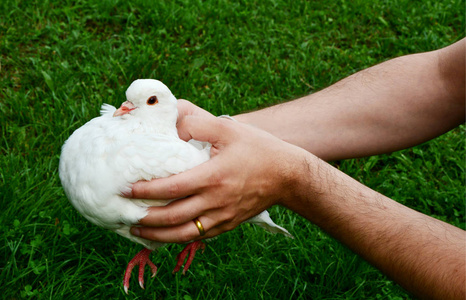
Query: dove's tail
point(107, 109)
point(263, 220)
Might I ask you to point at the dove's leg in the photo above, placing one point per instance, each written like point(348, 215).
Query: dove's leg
point(191, 248)
point(141, 259)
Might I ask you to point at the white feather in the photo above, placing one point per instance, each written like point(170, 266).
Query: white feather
point(107, 110)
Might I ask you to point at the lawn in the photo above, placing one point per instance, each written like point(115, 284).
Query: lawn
point(60, 60)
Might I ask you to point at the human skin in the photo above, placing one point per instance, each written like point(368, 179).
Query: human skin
point(396, 104)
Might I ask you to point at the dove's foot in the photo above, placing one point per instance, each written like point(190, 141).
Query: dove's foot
point(191, 248)
point(141, 259)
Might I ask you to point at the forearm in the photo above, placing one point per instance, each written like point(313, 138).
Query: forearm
point(396, 104)
point(424, 255)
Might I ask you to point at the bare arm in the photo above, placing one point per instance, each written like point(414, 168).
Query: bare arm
point(396, 104)
point(391, 106)
point(423, 254)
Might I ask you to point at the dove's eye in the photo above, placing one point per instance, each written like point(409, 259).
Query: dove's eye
point(152, 100)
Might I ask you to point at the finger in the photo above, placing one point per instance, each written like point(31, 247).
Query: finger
point(173, 187)
point(180, 234)
point(215, 232)
point(175, 213)
point(177, 234)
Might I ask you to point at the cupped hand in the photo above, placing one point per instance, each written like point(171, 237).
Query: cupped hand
point(249, 171)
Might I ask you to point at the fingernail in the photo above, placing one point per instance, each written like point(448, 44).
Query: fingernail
point(135, 231)
point(127, 192)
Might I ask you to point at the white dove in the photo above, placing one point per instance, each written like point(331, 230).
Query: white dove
point(139, 141)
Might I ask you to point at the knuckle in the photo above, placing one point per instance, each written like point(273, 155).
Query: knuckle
point(147, 233)
point(216, 179)
point(173, 190)
point(172, 219)
point(226, 125)
point(137, 190)
point(229, 221)
point(229, 226)
point(229, 216)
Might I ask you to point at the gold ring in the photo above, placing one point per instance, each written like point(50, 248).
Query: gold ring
point(199, 226)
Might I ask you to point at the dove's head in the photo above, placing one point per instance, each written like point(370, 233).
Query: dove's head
point(150, 101)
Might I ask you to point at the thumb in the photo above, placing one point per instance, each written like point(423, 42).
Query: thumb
point(186, 108)
point(207, 129)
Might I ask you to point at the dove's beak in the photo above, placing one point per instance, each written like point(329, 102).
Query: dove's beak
point(125, 108)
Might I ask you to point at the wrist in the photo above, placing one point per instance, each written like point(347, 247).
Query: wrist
point(312, 184)
point(300, 183)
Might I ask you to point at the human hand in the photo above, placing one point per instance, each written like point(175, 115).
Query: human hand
point(249, 171)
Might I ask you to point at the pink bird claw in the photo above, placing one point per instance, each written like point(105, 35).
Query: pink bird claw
point(153, 268)
point(191, 248)
point(141, 259)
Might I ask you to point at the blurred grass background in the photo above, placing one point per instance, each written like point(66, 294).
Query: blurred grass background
point(60, 60)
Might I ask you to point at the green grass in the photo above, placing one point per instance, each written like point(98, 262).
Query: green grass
point(60, 60)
